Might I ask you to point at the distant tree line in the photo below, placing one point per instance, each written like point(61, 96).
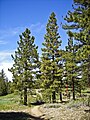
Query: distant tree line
point(57, 69)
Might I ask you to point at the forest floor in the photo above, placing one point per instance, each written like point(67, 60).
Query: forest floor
point(65, 112)
point(61, 112)
point(48, 112)
point(11, 109)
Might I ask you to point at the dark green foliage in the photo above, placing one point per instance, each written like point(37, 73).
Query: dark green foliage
point(51, 58)
point(78, 25)
point(58, 68)
point(25, 63)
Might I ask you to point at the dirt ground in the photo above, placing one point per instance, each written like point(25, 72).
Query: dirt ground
point(48, 112)
point(61, 112)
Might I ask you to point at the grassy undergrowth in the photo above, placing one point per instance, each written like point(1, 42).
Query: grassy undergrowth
point(11, 102)
point(11, 109)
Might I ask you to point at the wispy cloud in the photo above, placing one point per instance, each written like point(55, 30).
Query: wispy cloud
point(37, 27)
point(2, 42)
point(6, 55)
point(9, 32)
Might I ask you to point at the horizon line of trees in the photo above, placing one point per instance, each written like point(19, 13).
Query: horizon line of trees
point(57, 69)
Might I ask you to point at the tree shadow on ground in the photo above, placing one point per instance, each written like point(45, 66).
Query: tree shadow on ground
point(87, 111)
point(37, 103)
point(17, 116)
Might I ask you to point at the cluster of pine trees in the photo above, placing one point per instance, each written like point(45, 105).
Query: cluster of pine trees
point(5, 85)
point(56, 69)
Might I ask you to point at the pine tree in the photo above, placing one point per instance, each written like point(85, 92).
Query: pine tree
point(51, 55)
point(70, 65)
point(3, 83)
point(25, 63)
point(78, 22)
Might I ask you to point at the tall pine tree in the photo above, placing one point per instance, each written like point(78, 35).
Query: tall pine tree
point(70, 66)
point(78, 22)
point(25, 63)
point(51, 53)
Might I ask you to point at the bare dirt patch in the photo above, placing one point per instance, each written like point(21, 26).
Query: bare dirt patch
point(63, 112)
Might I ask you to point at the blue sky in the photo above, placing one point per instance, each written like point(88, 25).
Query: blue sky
point(16, 15)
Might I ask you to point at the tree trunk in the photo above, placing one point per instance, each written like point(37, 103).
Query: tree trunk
point(73, 89)
point(89, 70)
point(53, 73)
point(53, 97)
point(67, 89)
point(21, 97)
point(25, 96)
point(61, 96)
point(61, 91)
point(80, 92)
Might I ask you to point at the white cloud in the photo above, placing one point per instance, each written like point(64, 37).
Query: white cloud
point(6, 55)
point(5, 66)
point(6, 62)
